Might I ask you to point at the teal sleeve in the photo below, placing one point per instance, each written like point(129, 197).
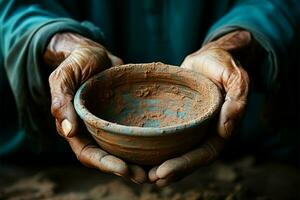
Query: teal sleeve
point(25, 29)
point(275, 26)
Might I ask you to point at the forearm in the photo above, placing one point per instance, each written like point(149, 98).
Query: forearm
point(18, 18)
point(26, 31)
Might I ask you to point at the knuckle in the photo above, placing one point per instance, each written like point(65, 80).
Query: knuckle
point(187, 61)
point(118, 61)
point(55, 107)
point(90, 60)
point(58, 104)
point(189, 57)
point(245, 76)
point(52, 77)
point(104, 158)
point(212, 152)
point(80, 156)
point(240, 110)
point(83, 162)
point(57, 78)
point(85, 156)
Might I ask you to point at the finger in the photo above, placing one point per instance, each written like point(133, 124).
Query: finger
point(152, 174)
point(191, 160)
point(62, 87)
point(237, 88)
point(230, 114)
point(59, 128)
point(115, 60)
point(211, 64)
point(219, 66)
point(137, 174)
point(162, 182)
point(66, 119)
point(167, 181)
point(92, 156)
point(172, 166)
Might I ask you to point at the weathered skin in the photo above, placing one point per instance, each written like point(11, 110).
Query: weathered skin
point(78, 58)
point(173, 114)
point(215, 62)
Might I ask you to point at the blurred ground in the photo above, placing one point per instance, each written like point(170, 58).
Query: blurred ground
point(235, 180)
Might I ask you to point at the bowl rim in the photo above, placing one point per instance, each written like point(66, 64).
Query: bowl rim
point(94, 121)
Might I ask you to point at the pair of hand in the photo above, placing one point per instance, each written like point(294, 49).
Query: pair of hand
point(75, 58)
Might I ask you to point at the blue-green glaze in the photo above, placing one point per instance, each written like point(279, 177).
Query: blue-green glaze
point(153, 129)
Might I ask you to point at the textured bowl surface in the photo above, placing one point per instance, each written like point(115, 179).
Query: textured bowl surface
point(147, 113)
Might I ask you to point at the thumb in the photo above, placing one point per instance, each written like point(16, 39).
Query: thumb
point(176, 168)
point(66, 119)
point(61, 105)
point(220, 67)
point(114, 59)
point(63, 82)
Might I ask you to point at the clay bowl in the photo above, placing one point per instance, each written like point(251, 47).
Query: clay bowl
point(147, 113)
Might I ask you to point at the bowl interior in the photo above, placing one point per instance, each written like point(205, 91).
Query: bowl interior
point(154, 95)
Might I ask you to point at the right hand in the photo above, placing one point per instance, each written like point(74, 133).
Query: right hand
point(74, 59)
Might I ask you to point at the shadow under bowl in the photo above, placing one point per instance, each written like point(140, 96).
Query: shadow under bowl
point(147, 113)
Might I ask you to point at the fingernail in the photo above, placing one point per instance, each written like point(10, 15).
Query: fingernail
point(117, 174)
point(135, 181)
point(66, 127)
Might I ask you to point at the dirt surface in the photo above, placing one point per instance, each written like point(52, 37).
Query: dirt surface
point(238, 180)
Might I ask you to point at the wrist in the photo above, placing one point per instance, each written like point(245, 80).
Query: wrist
point(237, 40)
point(240, 44)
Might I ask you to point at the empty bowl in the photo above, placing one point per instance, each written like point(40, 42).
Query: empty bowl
point(148, 113)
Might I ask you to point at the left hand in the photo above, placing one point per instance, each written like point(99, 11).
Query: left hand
point(215, 61)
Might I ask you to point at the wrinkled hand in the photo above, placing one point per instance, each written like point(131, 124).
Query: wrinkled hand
point(215, 61)
point(75, 59)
